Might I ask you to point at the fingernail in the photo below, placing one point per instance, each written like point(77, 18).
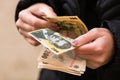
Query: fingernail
point(74, 42)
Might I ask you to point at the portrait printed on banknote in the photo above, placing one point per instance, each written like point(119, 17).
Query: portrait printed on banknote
point(53, 40)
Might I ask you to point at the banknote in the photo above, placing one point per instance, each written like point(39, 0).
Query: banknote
point(52, 40)
point(67, 59)
point(71, 26)
point(59, 68)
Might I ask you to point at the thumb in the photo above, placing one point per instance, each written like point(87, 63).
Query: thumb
point(86, 38)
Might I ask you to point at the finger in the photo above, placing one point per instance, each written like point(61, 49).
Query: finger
point(91, 57)
point(26, 35)
point(85, 49)
point(43, 10)
point(26, 27)
point(85, 56)
point(94, 61)
point(97, 47)
point(32, 20)
point(32, 41)
point(46, 11)
point(86, 38)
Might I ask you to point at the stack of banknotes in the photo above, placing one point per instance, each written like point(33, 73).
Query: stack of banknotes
point(58, 51)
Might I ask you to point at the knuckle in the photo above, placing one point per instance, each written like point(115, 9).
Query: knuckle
point(20, 31)
point(96, 30)
point(100, 61)
point(35, 23)
point(32, 42)
point(21, 14)
point(17, 23)
point(99, 49)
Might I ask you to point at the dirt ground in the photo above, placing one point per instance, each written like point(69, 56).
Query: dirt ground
point(18, 59)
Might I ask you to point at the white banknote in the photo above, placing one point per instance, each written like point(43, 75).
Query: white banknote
point(52, 40)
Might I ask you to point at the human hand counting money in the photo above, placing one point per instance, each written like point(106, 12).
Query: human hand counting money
point(98, 47)
point(95, 47)
point(31, 19)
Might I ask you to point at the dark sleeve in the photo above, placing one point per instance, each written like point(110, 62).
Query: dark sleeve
point(23, 4)
point(109, 11)
point(110, 16)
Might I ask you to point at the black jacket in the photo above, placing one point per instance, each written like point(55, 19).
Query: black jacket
point(95, 13)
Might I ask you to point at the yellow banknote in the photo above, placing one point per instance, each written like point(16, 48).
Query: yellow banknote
point(67, 59)
point(71, 26)
point(58, 68)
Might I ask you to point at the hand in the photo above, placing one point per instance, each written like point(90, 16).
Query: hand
point(96, 46)
point(31, 19)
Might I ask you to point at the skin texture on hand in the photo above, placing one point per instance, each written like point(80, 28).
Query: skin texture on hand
point(96, 46)
point(31, 19)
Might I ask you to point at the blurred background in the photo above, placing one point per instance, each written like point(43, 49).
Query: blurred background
point(18, 59)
